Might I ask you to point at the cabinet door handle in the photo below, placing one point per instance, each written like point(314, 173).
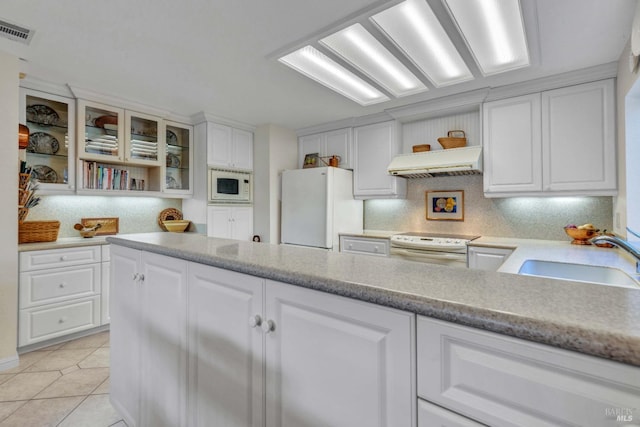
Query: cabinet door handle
point(255, 321)
point(268, 326)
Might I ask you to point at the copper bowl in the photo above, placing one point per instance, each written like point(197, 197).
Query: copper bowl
point(581, 236)
point(23, 136)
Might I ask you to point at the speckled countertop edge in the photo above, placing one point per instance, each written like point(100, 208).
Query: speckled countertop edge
point(597, 320)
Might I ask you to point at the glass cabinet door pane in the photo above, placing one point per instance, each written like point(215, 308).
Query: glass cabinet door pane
point(101, 132)
point(144, 139)
point(178, 158)
point(48, 150)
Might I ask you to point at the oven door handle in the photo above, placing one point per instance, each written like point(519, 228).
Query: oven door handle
point(425, 254)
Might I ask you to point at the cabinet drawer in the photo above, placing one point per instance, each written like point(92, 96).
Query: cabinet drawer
point(59, 284)
point(368, 246)
point(35, 260)
point(505, 381)
point(54, 320)
point(430, 415)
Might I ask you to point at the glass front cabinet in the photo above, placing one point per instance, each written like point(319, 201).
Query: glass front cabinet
point(51, 149)
point(179, 158)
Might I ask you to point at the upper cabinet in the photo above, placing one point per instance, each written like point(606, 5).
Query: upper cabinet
point(558, 142)
point(228, 147)
point(374, 147)
point(51, 149)
point(334, 143)
point(179, 158)
point(127, 152)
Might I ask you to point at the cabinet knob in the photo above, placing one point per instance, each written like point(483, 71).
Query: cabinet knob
point(141, 277)
point(61, 285)
point(375, 249)
point(63, 258)
point(268, 326)
point(255, 321)
point(62, 320)
point(135, 276)
point(350, 246)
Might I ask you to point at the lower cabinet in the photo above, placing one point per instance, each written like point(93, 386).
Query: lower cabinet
point(259, 352)
point(230, 222)
point(61, 292)
point(504, 381)
point(148, 338)
point(486, 258)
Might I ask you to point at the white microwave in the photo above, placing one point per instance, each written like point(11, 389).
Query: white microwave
point(227, 186)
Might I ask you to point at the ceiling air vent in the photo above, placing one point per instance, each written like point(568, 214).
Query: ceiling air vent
point(15, 32)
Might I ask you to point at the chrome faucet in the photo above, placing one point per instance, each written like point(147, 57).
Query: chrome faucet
point(621, 243)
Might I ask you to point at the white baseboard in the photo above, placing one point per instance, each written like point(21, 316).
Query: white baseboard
point(9, 362)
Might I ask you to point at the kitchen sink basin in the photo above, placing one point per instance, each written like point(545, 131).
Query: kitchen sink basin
point(578, 272)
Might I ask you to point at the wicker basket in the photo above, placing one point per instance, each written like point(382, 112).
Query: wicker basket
point(453, 140)
point(22, 214)
point(24, 180)
point(23, 196)
point(38, 231)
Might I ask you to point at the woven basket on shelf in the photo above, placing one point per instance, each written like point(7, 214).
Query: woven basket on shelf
point(22, 214)
point(38, 231)
point(23, 196)
point(24, 180)
point(453, 139)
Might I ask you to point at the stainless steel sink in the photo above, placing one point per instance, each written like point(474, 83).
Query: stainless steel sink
point(578, 272)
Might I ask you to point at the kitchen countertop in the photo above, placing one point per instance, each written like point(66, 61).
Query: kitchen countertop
point(602, 321)
point(64, 242)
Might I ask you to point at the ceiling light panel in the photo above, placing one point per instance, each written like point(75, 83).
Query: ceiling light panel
point(414, 28)
point(358, 47)
point(494, 32)
point(316, 65)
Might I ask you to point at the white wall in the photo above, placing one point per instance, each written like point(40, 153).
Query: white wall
point(9, 82)
point(275, 149)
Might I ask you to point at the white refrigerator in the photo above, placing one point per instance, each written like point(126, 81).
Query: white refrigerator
point(317, 205)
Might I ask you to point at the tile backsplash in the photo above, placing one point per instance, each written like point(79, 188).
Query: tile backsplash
point(523, 217)
point(136, 214)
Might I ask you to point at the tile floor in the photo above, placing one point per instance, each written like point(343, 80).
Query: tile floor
point(65, 385)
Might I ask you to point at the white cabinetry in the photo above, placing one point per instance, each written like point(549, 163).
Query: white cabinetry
point(317, 356)
point(374, 147)
point(578, 138)
point(486, 258)
point(365, 245)
point(558, 142)
point(59, 293)
point(51, 150)
point(333, 143)
point(230, 222)
point(503, 381)
point(148, 338)
point(228, 147)
point(512, 145)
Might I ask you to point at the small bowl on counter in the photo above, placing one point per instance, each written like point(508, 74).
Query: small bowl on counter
point(581, 236)
point(176, 225)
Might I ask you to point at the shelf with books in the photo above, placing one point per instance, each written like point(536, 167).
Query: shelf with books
point(106, 177)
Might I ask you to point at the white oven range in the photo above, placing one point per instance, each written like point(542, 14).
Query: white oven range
point(432, 248)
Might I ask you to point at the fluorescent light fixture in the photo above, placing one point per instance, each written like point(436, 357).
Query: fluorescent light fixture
point(317, 66)
point(494, 32)
point(414, 28)
point(358, 47)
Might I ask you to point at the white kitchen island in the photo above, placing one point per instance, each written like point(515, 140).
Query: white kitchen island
point(220, 332)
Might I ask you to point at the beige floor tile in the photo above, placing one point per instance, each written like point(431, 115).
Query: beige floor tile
point(42, 412)
point(91, 341)
point(98, 359)
point(26, 385)
point(78, 383)
point(5, 377)
point(60, 359)
point(94, 411)
point(26, 360)
point(103, 388)
point(8, 408)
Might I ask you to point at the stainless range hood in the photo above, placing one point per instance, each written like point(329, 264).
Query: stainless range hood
point(454, 161)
